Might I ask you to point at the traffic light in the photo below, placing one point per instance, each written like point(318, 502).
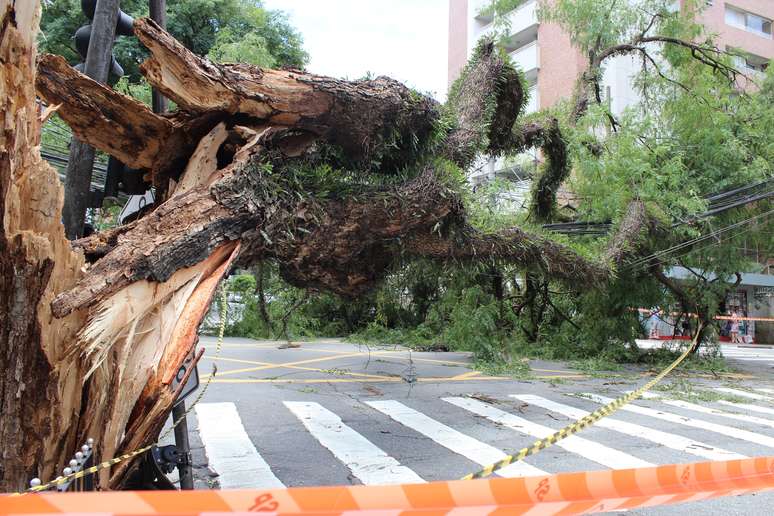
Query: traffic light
point(119, 178)
point(124, 27)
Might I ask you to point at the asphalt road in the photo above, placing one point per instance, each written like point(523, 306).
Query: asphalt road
point(331, 413)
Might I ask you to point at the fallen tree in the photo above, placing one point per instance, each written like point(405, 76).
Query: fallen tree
point(334, 180)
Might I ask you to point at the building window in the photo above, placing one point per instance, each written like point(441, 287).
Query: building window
point(758, 67)
point(750, 62)
point(748, 21)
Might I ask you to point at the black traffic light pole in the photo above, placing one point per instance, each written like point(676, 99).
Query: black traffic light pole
point(158, 13)
point(81, 162)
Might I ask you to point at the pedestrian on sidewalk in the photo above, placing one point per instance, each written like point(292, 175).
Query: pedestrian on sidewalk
point(734, 332)
point(654, 322)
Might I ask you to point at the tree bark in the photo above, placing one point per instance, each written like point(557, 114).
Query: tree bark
point(49, 402)
point(40, 385)
point(364, 118)
point(81, 161)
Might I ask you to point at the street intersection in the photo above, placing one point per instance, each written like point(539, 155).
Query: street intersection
point(332, 412)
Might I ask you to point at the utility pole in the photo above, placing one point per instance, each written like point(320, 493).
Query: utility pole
point(158, 13)
point(81, 162)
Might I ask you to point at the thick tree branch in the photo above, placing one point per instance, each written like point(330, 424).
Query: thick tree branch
point(119, 125)
point(367, 119)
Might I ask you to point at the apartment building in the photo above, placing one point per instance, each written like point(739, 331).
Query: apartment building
point(552, 65)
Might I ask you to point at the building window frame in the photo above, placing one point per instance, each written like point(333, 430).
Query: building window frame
point(749, 22)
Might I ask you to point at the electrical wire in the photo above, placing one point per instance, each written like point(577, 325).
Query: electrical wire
point(689, 243)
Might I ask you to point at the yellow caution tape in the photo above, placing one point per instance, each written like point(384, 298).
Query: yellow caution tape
point(585, 421)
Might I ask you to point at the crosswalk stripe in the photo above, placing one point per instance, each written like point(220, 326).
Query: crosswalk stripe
point(767, 391)
point(591, 450)
point(750, 359)
point(369, 463)
point(746, 353)
point(748, 406)
point(743, 394)
point(736, 433)
point(707, 410)
point(230, 452)
point(459, 443)
point(675, 442)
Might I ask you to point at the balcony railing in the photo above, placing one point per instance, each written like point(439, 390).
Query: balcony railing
point(527, 58)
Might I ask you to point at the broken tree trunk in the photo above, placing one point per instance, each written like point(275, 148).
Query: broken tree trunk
point(40, 384)
point(49, 402)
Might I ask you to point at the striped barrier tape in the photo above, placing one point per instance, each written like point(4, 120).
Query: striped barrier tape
point(716, 318)
point(564, 493)
point(61, 480)
point(585, 421)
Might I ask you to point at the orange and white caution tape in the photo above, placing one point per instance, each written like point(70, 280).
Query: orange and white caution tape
point(565, 493)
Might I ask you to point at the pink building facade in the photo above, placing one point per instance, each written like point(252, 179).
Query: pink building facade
point(552, 64)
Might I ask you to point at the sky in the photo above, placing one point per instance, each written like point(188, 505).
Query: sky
point(403, 39)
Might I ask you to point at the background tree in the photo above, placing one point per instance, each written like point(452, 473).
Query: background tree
point(236, 30)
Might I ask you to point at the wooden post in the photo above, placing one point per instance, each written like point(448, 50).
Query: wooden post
point(81, 162)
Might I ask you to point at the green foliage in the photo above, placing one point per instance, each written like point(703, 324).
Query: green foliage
point(250, 48)
point(140, 90)
point(518, 369)
point(594, 25)
point(320, 315)
point(226, 30)
point(683, 389)
point(681, 144)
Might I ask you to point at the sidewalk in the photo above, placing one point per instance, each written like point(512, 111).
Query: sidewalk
point(660, 343)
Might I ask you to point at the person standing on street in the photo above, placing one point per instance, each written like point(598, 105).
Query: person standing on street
point(734, 332)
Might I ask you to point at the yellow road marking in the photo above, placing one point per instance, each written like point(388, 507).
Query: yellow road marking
point(466, 375)
point(429, 360)
point(260, 365)
point(376, 380)
point(383, 353)
point(270, 365)
point(249, 346)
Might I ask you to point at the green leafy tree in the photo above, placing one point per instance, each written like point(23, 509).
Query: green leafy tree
point(232, 30)
point(693, 134)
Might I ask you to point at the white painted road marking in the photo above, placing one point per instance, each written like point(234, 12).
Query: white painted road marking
point(767, 391)
point(707, 410)
point(591, 450)
point(744, 394)
point(736, 433)
point(749, 358)
point(473, 449)
point(230, 452)
point(675, 442)
point(748, 406)
point(368, 463)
